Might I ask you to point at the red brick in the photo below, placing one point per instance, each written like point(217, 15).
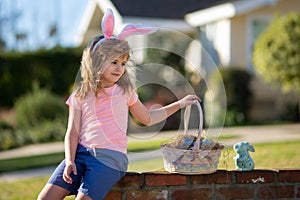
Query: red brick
point(228, 185)
point(219, 177)
point(256, 176)
point(114, 195)
point(130, 180)
point(276, 192)
point(290, 176)
point(147, 195)
point(192, 194)
point(164, 179)
point(235, 193)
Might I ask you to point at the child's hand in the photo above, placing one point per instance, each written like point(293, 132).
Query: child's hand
point(188, 100)
point(70, 167)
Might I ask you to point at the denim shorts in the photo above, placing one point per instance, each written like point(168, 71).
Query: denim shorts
point(97, 172)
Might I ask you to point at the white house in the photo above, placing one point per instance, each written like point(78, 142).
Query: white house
point(229, 30)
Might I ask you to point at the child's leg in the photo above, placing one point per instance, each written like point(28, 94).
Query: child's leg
point(81, 196)
point(57, 188)
point(50, 192)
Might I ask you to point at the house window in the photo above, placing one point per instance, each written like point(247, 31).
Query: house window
point(255, 27)
point(258, 26)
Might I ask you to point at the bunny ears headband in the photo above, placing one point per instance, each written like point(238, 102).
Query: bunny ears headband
point(108, 23)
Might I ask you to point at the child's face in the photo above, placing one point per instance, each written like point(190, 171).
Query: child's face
point(114, 71)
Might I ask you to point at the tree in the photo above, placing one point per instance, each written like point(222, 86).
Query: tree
point(276, 53)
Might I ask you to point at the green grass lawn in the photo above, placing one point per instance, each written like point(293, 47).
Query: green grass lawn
point(266, 156)
point(27, 189)
point(15, 164)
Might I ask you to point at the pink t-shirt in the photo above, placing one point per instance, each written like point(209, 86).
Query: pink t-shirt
point(104, 119)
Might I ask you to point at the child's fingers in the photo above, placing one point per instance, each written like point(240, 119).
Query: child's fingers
point(66, 175)
point(188, 100)
point(195, 98)
point(74, 169)
point(67, 178)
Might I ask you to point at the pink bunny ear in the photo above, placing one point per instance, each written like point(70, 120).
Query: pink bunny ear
point(108, 23)
point(131, 30)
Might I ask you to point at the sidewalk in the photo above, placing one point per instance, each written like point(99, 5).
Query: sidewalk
point(252, 134)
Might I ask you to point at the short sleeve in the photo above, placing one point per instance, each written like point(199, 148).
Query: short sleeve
point(73, 101)
point(133, 98)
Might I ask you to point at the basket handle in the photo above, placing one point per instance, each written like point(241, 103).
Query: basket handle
point(187, 115)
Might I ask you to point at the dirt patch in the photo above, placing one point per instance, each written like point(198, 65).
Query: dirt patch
point(7, 115)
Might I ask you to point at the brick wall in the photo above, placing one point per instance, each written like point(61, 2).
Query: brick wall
point(257, 184)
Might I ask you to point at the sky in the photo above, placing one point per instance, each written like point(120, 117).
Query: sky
point(34, 19)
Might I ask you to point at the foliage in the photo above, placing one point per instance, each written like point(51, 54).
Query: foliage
point(5, 125)
point(236, 82)
point(276, 52)
point(41, 116)
point(10, 138)
point(53, 69)
point(47, 131)
point(37, 107)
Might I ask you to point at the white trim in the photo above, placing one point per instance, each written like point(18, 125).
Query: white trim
point(88, 15)
point(208, 15)
point(223, 41)
point(225, 11)
point(84, 22)
point(179, 25)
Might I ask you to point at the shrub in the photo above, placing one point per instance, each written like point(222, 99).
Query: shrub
point(10, 138)
point(276, 55)
point(5, 125)
point(41, 116)
point(7, 140)
point(236, 82)
point(47, 131)
point(37, 107)
point(276, 52)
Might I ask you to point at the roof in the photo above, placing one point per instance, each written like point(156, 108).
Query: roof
point(159, 13)
point(226, 10)
point(167, 9)
point(177, 14)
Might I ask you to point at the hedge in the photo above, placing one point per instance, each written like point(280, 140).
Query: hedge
point(52, 69)
point(236, 82)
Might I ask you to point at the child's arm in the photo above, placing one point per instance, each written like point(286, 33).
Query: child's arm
point(71, 142)
point(153, 116)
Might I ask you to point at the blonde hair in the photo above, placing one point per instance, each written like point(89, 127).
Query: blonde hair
point(95, 61)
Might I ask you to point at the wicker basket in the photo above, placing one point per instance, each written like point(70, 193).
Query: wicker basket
point(199, 157)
